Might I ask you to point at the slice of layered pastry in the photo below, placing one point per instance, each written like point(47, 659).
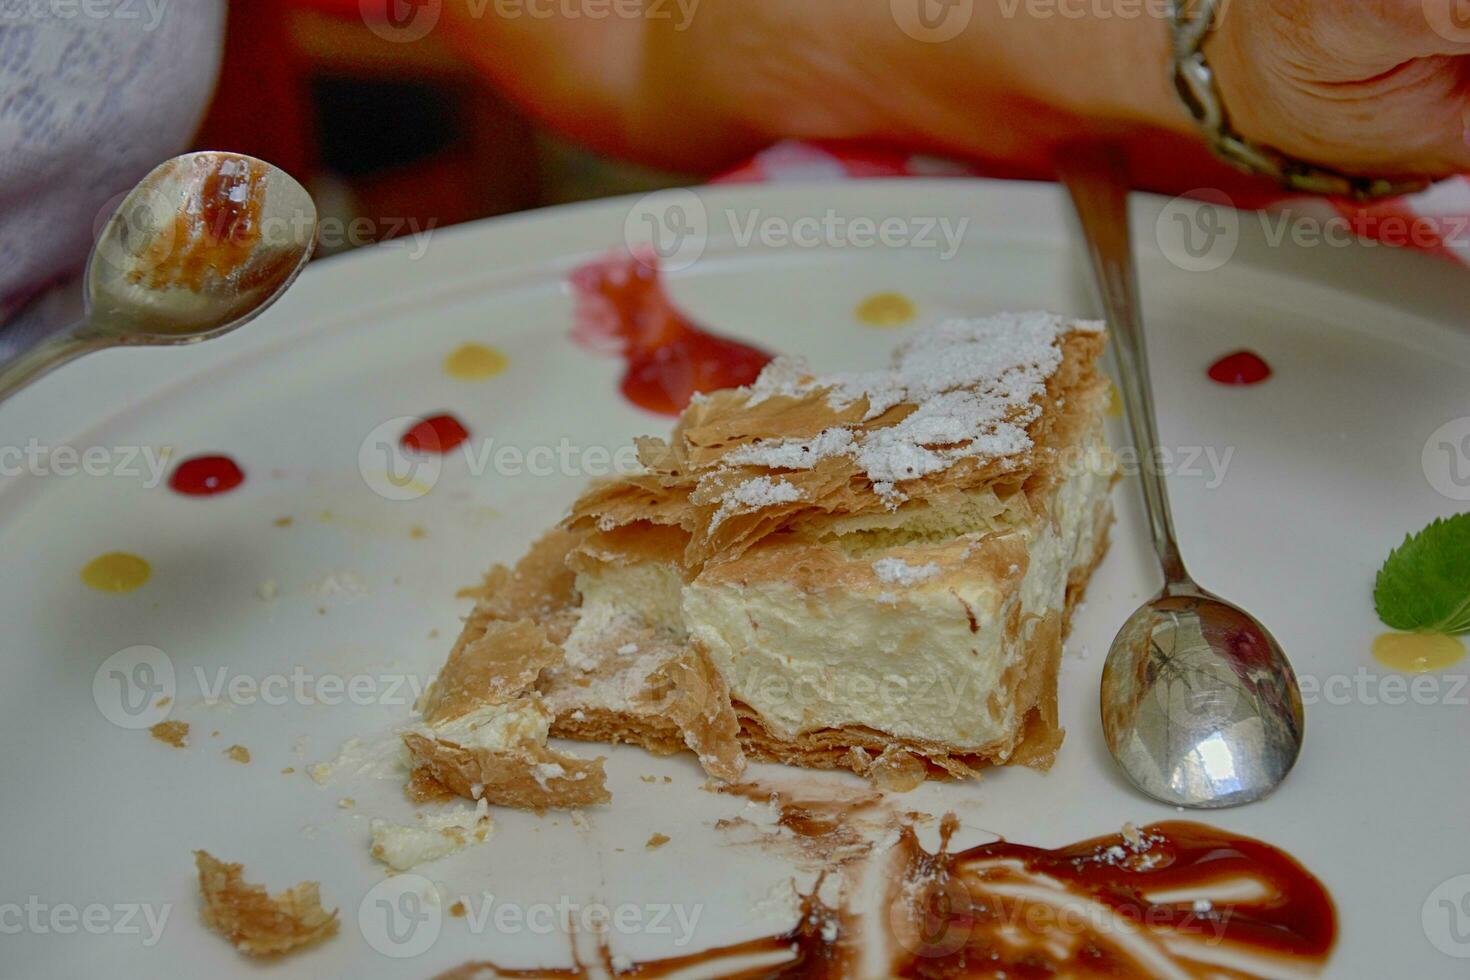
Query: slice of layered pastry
point(872, 571)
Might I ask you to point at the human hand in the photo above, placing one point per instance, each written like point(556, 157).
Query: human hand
point(1376, 88)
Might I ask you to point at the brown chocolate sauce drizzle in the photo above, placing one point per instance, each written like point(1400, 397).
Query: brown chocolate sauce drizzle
point(1101, 907)
point(806, 818)
point(1125, 905)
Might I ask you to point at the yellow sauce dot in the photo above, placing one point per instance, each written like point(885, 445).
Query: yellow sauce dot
point(1115, 402)
point(116, 571)
point(885, 310)
point(475, 362)
point(1417, 653)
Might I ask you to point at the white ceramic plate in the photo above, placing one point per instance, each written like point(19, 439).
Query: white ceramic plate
point(1327, 474)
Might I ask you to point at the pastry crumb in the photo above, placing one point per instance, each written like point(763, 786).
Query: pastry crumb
point(256, 922)
point(288, 770)
point(175, 733)
point(649, 779)
point(346, 803)
point(238, 753)
point(657, 841)
point(457, 910)
point(417, 532)
point(284, 521)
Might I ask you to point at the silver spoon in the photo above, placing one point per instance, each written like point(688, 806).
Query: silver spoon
point(1200, 707)
point(201, 246)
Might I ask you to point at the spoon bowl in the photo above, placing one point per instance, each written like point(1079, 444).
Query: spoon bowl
point(199, 248)
point(1200, 707)
point(203, 245)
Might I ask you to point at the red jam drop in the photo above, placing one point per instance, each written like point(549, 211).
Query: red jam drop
point(622, 307)
point(435, 434)
point(205, 476)
point(1240, 368)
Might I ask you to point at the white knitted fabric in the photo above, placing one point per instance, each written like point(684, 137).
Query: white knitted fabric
point(93, 95)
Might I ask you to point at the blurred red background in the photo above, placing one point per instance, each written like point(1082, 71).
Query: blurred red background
point(404, 136)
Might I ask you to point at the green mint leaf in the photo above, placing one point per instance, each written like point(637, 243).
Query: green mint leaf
point(1425, 583)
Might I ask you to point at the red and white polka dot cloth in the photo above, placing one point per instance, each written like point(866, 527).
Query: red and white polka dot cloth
point(1436, 220)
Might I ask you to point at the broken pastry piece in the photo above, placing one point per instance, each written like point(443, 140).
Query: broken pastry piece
point(256, 922)
point(870, 571)
point(484, 730)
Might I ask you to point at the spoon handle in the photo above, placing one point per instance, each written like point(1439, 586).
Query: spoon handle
point(51, 353)
point(1096, 177)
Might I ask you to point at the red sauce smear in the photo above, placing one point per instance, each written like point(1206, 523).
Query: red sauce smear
point(435, 434)
point(1240, 368)
point(205, 476)
point(622, 307)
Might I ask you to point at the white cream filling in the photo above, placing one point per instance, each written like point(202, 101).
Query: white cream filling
point(495, 727)
point(907, 663)
point(403, 846)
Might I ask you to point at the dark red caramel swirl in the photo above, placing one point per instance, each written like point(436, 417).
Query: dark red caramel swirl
point(622, 308)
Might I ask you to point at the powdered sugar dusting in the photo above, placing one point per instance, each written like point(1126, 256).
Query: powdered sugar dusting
point(973, 384)
point(753, 494)
point(794, 454)
point(896, 571)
